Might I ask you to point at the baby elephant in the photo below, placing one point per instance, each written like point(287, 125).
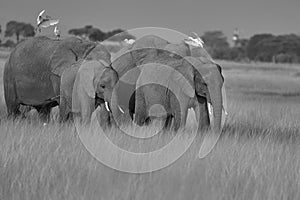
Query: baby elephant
point(93, 86)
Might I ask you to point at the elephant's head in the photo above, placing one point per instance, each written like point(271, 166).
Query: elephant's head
point(97, 82)
point(206, 80)
point(67, 52)
point(104, 83)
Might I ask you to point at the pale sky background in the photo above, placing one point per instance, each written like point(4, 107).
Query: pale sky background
point(250, 16)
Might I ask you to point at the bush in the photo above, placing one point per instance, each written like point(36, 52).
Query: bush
point(8, 44)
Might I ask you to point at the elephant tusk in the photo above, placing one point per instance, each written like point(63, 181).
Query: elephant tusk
point(210, 109)
point(210, 112)
point(122, 111)
point(226, 113)
point(106, 106)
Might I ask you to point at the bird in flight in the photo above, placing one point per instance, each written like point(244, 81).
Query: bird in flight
point(45, 22)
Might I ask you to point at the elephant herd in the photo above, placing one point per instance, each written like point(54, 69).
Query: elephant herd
point(79, 75)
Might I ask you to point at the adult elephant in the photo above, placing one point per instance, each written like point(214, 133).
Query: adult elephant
point(100, 54)
point(178, 84)
point(125, 62)
point(33, 72)
point(209, 80)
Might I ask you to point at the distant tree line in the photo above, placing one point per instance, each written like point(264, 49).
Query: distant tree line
point(95, 34)
point(260, 47)
point(18, 30)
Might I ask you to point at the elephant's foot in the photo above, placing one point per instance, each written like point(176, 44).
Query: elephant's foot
point(13, 111)
point(66, 118)
point(177, 123)
point(140, 120)
point(44, 113)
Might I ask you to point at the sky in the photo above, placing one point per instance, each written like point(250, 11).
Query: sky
point(249, 16)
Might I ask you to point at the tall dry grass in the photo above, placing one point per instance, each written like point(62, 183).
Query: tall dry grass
point(257, 156)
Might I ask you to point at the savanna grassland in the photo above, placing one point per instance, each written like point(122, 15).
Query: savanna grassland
point(257, 156)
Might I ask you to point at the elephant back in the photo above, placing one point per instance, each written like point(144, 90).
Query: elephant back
point(181, 49)
point(67, 52)
point(99, 53)
point(150, 41)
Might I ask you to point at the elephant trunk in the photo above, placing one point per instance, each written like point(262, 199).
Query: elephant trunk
point(216, 101)
point(114, 105)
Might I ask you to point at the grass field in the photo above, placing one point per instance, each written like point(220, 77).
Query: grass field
point(257, 156)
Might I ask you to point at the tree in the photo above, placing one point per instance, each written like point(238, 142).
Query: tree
point(9, 44)
point(28, 30)
point(254, 43)
point(119, 35)
point(19, 29)
point(95, 34)
point(88, 31)
point(216, 43)
point(268, 48)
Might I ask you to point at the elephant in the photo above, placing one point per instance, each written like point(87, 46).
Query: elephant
point(32, 73)
point(208, 79)
point(93, 86)
point(180, 84)
point(100, 54)
point(128, 58)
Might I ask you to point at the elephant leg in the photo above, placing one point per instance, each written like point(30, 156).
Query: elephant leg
point(140, 108)
point(44, 113)
point(184, 114)
point(132, 105)
point(168, 122)
point(13, 110)
point(176, 124)
point(87, 109)
point(202, 114)
point(11, 100)
point(65, 111)
point(63, 114)
point(180, 118)
point(148, 120)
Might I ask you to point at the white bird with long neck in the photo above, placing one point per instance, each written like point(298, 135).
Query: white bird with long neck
point(45, 22)
point(197, 41)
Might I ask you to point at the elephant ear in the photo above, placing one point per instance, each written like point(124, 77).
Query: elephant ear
point(67, 52)
point(87, 71)
point(183, 78)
